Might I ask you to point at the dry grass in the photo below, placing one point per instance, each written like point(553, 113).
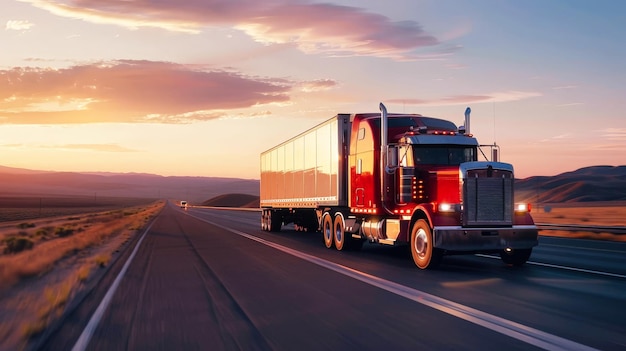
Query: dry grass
point(70, 238)
point(583, 215)
point(37, 284)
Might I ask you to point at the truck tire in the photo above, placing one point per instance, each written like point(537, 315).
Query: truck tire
point(274, 221)
point(516, 257)
point(264, 226)
point(342, 242)
point(327, 230)
point(425, 256)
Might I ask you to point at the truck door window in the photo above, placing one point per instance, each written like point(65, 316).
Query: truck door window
point(404, 156)
point(361, 134)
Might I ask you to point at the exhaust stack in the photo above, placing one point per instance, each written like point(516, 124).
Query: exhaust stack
point(383, 129)
point(384, 148)
point(383, 153)
point(467, 120)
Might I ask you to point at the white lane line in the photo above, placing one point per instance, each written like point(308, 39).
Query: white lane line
point(615, 275)
point(85, 337)
point(500, 325)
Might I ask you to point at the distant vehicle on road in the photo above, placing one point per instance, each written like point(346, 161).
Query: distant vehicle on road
point(183, 204)
point(396, 179)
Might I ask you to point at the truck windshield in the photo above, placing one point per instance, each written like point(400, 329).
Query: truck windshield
point(443, 155)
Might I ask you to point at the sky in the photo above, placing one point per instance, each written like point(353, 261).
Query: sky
point(202, 87)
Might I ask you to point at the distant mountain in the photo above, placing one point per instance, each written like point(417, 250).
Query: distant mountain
point(233, 200)
point(597, 183)
point(23, 182)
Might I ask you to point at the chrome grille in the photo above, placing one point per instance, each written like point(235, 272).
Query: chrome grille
point(488, 197)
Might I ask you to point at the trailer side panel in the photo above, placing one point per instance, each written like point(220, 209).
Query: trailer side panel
point(308, 170)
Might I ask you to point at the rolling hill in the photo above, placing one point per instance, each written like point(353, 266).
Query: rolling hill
point(597, 183)
point(233, 200)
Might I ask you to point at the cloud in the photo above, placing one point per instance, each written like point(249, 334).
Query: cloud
point(130, 91)
point(468, 99)
point(562, 87)
point(614, 134)
point(93, 147)
point(86, 147)
point(18, 25)
point(559, 137)
point(317, 85)
point(312, 27)
point(570, 104)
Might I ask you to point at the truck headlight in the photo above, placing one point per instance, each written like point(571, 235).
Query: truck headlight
point(446, 207)
point(522, 207)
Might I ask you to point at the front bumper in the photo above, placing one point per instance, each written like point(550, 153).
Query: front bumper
point(457, 238)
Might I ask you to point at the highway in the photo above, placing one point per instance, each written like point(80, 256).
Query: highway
point(205, 279)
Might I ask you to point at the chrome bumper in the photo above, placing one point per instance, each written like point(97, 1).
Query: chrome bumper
point(457, 238)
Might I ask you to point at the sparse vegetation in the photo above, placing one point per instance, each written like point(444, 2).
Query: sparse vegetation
point(26, 225)
point(102, 260)
point(55, 299)
point(15, 244)
point(77, 247)
point(62, 232)
point(41, 232)
point(83, 273)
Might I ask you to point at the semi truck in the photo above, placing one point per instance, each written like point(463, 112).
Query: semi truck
point(397, 179)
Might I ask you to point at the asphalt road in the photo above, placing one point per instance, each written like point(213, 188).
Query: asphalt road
point(205, 279)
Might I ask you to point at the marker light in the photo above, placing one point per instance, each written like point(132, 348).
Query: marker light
point(522, 207)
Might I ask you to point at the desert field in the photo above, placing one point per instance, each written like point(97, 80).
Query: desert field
point(585, 214)
point(603, 213)
point(16, 208)
point(46, 261)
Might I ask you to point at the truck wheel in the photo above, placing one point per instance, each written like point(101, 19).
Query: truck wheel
point(341, 241)
point(516, 257)
point(264, 221)
point(327, 230)
point(274, 221)
point(424, 254)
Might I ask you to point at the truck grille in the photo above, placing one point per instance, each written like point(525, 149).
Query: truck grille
point(488, 197)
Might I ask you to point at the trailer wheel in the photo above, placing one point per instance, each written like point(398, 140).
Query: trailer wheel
point(264, 220)
point(424, 254)
point(327, 230)
point(341, 241)
point(516, 257)
point(274, 221)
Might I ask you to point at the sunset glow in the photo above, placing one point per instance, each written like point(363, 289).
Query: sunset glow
point(202, 87)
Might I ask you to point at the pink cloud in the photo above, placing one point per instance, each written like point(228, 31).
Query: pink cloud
point(130, 91)
point(93, 147)
point(317, 85)
point(312, 27)
point(468, 99)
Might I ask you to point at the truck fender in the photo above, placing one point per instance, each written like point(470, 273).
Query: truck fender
point(420, 212)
